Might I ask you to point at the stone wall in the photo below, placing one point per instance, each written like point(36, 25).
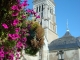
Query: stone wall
point(68, 55)
point(51, 36)
point(71, 55)
point(53, 56)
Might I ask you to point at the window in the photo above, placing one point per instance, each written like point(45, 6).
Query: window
point(37, 9)
point(60, 55)
point(42, 7)
point(42, 14)
point(51, 10)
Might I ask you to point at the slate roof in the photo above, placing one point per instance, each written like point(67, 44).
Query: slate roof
point(67, 42)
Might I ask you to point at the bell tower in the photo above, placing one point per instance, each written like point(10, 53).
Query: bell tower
point(46, 10)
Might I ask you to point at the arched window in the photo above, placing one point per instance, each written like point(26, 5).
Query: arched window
point(37, 9)
point(42, 7)
point(60, 55)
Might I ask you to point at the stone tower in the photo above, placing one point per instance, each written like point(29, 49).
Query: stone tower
point(46, 10)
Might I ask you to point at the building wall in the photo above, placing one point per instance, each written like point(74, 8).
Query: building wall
point(68, 55)
point(53, 56)
point(45, 55)
point(50, 31)
point(51, 36)
point(79, 53)
point(71, 55)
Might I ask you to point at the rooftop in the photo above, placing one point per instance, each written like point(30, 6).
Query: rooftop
point(67, 42)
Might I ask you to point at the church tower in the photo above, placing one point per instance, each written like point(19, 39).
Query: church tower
point(46, 10)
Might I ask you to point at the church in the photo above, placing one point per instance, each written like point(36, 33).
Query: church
point(64, 48)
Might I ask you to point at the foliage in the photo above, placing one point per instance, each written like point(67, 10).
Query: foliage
point(17, 32)
point(35, 40)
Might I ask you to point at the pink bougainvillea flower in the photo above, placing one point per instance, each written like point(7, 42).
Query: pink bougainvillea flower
point(19, 7)
point(23, 30)
point(38, 16)
point(13, 36)
point(23, 16)
point(24, 39)
point(25, 4)
point(17, 29)
point(15, 13)
point(17, 56)
point(18, 1)
point(33, 12)
point(10, 35)
point(14, 7)
point(1, 53)
point(28, 26)
point(11, 56)
point(19, 44)
point(5, 26)
point(16, 36)
point(15, 22)
point(28, 11)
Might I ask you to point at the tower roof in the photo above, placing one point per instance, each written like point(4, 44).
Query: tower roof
point(67, 34)
point(66, 42)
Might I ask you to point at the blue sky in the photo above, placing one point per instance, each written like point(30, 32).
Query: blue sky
point(66, 9)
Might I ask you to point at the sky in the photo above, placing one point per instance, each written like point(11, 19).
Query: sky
point(66, 10)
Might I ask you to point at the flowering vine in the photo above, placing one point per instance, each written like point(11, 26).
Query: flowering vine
point(17, 33)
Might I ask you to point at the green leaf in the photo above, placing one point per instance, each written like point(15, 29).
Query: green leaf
point(9, 43)
point(31, 51)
